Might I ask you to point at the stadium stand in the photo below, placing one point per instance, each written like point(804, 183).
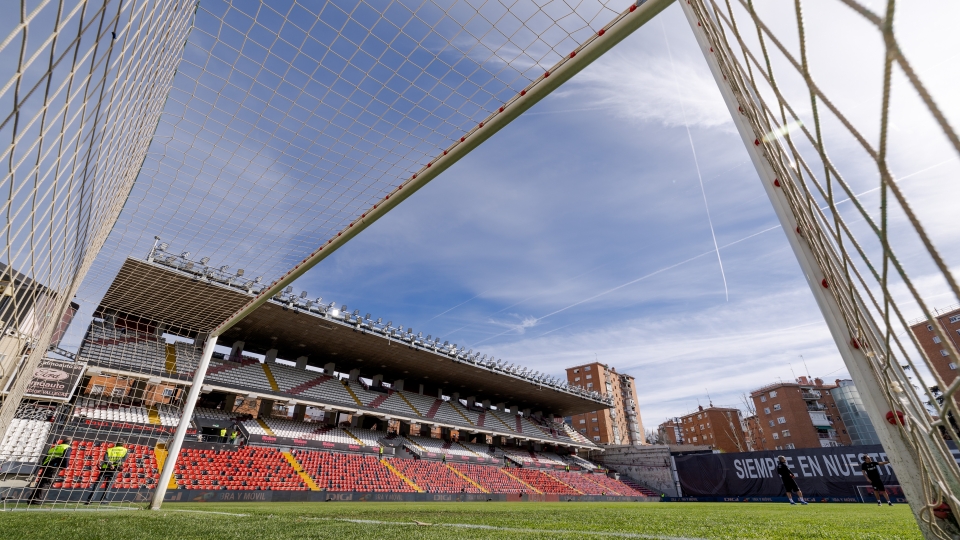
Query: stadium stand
point(434, 477)
point(127, 349)
point(577, 461)
point(139, 469)
point(543, 482)
point(25, 439)
point(582, 483)
point(478, 449)
point(437, 446)
point(490, 478)
point(642, 490)
point(249, 468)
point(248, 373)
point(366, 436)
point(612, 485)
point(349, 472)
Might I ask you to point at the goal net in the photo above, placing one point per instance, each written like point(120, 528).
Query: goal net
point(824, 97)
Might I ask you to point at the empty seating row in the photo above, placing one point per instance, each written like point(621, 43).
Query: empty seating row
point(493, 479)
point(433, 476)
point(248, 468)
point(543, 482)
point(24, 440)
point(349, 472)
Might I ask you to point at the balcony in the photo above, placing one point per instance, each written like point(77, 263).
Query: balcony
point(812, 394)
point(815, 407)
point(819, 419)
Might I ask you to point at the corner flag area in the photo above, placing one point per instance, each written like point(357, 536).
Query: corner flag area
point(472, 520)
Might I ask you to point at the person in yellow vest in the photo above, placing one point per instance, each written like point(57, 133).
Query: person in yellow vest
point(223, 435)
point(57, 458)
point(233, 435)
point(111, 464)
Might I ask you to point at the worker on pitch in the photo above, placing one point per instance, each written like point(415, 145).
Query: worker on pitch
point(57, 458)
point(111, 464)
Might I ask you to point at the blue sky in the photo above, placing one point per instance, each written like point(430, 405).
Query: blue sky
point(579, 232)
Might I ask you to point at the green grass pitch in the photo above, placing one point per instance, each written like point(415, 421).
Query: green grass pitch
point(527, 521)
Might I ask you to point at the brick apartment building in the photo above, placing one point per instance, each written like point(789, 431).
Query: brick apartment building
point(933, 347)
point(721, 428)
point(620, 424)
point(796, 415)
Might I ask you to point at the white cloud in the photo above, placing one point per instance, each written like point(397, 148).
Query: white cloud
point(651, 88)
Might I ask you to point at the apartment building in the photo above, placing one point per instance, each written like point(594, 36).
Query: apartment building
point(621, 424)
point(721, 428)
point(933, 346)
point(803, 414)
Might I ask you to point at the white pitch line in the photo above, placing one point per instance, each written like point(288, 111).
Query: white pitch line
point(206, 512)
point(511, 529)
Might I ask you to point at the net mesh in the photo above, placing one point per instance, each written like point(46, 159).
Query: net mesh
point(254, 131)
point(83, 87)
point(835, 162)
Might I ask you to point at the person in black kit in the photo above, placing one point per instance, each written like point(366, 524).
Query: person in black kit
point(789, 484)
point(871, 471)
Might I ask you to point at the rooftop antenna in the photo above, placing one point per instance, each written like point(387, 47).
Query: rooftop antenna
point(791, 371)
point(709, 399)
point(805, 367)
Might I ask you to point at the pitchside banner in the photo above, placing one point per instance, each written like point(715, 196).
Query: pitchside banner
point(55, 379)
point(820, 472)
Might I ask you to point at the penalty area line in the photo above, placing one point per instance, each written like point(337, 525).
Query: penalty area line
point(206, 512)
point(611, 534)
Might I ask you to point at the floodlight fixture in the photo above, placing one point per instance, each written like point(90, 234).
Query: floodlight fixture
point(204, 260)
point(185, 254)
point(303, 294)
point(239, 272)
point(163, 246)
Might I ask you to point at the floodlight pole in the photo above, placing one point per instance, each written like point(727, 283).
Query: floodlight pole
point(900, 454)
point(173, 452)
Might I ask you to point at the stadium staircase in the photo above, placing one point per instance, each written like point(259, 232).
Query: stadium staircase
point(170, 364)
point(468, 479)
point(492, 479)
point(352, 394)
point(480, 419)
point(636, 486)
point(160, 454)
point(154, 415)
point(401, 476)
point(358, 439)
point(265, 427)
point(521, 481)
point(544, 482)
point(270, 378)
point(409, 404)
point(434, 477)
point(303, 475)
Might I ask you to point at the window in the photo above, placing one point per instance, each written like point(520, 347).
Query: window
point(785, 433)
point(701, 427)
point(930, 327)
point(583, 430)
point(778, 448)
point(118, 392)
point(589, 377)
point(781, 420)
point(771, 423)
point(96, 390)
point(168, 392)
point(766, 410)
point(596, 438)
point(586, 368)
point(790, 446)
point(776, 406)
point(576, 371)
point(944, 353)
point(936, 339)
point(583, 421)
point(596, 429)
point(763, 398)
point(238, 402)
point(776, 436)
point(773, 394)
point(708, 425)
point(694, 439)
point(593, 419)
point(955, 318)
point(589, 385)
point(951, 365)
point(575, 379)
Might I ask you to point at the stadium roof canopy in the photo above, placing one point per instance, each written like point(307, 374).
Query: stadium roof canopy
point(190, 305)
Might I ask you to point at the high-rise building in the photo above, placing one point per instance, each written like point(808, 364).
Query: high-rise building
point(620, 424)
point(854, 416)
point(798, 415)
point(719, 427)
point(934, 348)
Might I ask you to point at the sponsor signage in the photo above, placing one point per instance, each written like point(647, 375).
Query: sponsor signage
point(55, 379)
point(821, 473)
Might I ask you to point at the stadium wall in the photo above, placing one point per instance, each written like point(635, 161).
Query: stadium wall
point(821, 473)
